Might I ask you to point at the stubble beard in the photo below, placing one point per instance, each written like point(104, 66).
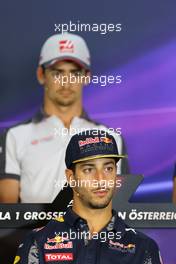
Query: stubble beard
point(90, 203)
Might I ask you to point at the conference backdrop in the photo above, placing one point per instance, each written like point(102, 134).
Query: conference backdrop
point(142, 105)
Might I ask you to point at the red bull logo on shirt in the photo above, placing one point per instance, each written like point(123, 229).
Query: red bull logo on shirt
point(57, 242)
point(58, 246)
point(121, 247)
point(57, 239)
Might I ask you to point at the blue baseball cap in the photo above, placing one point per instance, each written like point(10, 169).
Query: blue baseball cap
point(91, 144)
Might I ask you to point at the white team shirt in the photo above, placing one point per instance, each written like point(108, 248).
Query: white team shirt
point(34, 154)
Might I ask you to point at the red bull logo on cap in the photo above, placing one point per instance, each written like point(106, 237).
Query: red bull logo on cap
point(95, 140)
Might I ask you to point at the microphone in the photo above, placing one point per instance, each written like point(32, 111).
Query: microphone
point(77, 193)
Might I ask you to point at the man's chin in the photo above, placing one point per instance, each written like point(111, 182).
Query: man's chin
point(98, 205)
point(65, 102)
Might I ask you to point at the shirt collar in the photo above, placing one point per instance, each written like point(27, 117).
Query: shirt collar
point(40, 115)
point(116, 223)
point(71, 217)
point(119, 224)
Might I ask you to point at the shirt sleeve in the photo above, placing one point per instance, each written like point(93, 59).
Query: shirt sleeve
point(9, 164)
point(28, 252)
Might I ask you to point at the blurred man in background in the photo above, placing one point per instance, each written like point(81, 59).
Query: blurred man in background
point(32, 152)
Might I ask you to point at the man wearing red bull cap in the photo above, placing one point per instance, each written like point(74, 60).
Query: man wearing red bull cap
point(94, 231)
point(32, 152)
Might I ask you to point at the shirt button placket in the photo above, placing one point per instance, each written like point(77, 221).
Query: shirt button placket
point(91, 253)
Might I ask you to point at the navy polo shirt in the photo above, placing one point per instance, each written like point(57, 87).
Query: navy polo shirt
point(68, 240)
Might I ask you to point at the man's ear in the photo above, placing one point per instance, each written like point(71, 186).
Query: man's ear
point(69, 175)
point(40, 75)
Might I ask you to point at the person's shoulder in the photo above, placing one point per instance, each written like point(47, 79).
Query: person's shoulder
point(142, 238)
point(35, 119)
point(57, 222)
point(51, 230)
point(93, 122)
point(16, 127)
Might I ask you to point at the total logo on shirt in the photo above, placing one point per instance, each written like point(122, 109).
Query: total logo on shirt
point(59, 256)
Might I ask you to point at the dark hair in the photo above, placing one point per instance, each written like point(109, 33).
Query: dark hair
point(43, 68)
point(78, 66)
point(73, 168)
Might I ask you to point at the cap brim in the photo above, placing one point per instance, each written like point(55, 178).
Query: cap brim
point(67, 58)
point(99, 157)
